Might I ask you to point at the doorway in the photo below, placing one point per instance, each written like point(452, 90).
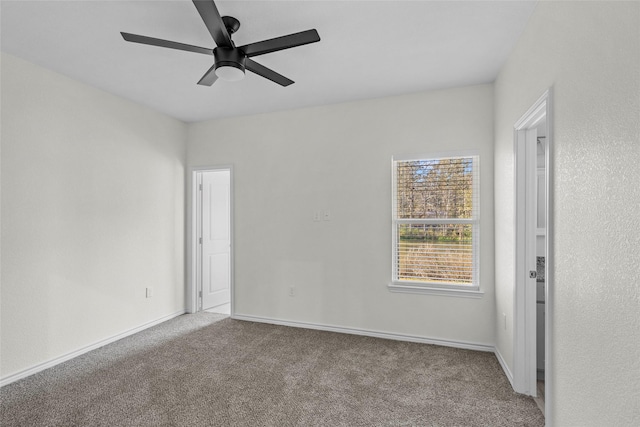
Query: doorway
point(534, 257)
point(212, 274)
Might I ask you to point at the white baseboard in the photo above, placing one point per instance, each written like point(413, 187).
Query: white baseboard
point(366, 333)
point(60, 359)
point(504, 366)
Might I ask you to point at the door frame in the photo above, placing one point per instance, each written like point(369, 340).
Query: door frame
point(193, 230)
point(524, 340)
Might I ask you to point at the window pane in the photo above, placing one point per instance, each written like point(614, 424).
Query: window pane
point(435, 253)
point(436, 188)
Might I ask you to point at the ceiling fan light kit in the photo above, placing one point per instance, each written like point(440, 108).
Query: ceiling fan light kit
point(230, 62)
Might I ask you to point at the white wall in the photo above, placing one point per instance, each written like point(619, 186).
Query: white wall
point(590, 53)
point(92, 213)
point(338, 158)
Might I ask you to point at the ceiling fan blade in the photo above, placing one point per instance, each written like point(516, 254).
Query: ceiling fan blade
point(280, 43)
point(211, 17)
point(209, 77)
point(165, 43)
point(267, 73)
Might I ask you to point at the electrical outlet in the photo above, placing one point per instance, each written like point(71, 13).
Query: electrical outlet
point(292, 291)
point(316, 216)
point(149, 293)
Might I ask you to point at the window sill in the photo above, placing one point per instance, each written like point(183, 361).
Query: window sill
point(412, 288)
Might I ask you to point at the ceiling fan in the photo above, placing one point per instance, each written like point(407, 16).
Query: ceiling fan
point(230, 62)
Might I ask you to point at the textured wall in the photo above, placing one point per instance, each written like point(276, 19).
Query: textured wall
point(338, 158)
point(590, 53)
point(92, 213)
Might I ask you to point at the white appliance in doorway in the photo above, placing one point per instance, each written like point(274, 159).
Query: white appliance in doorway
point(213, 220)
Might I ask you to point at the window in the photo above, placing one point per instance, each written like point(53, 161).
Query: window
point(435, 225)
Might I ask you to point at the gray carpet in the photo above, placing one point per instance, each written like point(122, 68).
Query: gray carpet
point(206, 370)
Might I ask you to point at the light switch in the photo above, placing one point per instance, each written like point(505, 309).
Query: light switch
point(327, 216)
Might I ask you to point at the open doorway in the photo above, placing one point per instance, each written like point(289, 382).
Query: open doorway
point(533, 143)
point(211, 247)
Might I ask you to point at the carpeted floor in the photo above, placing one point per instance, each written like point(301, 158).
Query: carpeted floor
point(207, 370)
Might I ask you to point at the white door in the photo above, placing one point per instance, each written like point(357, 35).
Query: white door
point(216, 234)
point(531, 222)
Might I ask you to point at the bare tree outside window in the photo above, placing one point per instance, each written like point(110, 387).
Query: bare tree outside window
point(436, 220)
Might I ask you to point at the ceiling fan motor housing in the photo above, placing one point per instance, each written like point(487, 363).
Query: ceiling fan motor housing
point(229, 57)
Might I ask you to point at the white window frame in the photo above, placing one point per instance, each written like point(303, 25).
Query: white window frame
point(419, 287)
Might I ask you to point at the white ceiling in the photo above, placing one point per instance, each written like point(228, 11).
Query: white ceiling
point(368, 49)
